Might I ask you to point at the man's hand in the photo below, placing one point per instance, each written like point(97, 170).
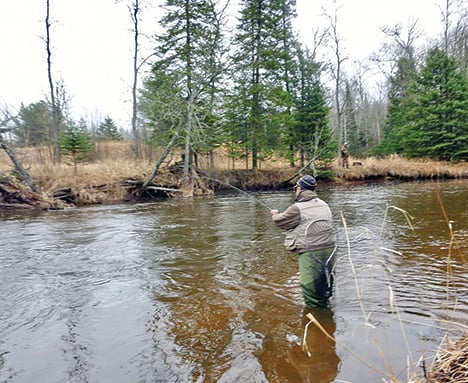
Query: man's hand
point(274, 211)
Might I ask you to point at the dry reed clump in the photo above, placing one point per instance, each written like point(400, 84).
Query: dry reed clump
point(106, 172)
point(450, 364)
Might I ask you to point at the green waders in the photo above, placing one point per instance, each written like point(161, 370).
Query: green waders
point(316, 276)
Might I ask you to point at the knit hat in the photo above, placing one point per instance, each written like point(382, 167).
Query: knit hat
point(307, 182)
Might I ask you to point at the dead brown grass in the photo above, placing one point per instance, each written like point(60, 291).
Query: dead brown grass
point(450, 364)
point(100, 179)
point(396, 167)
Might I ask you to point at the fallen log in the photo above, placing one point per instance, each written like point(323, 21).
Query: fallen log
point(164, 189)
point(14, 194)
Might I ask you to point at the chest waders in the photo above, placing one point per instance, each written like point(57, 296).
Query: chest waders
point(316, 266)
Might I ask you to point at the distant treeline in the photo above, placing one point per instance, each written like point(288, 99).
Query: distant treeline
point(257, 91)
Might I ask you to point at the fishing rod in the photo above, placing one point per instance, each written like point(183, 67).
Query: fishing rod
point(339, 242)
point(239, 190)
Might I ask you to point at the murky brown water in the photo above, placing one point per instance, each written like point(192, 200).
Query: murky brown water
point(202, 291)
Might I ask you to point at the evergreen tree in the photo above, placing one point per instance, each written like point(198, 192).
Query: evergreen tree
point(188, 62)
point(437, 111)
point(75, 142)
point(108, 130)
point(261, 76)
point(82, 125)
point(33, 124)
point(162, 103)
point(349, 118)
point(285, 82)
point(236, 131)
point(310, 133)
point(395, 123)
point(401, 52)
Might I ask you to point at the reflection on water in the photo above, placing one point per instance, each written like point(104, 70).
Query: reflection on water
point(203, 291)
point(313, 358)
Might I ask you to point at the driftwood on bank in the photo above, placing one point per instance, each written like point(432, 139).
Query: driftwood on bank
point(17, 188)
point(137, 191)
point(14, 194)
point(170, 190)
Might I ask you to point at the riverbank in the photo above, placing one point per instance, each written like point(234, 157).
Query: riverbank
point(114, 177)
point(108, 182)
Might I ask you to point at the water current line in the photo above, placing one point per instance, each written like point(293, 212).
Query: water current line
point(239, 190)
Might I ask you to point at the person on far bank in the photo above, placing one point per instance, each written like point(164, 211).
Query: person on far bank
point(310, 234)
point(345, 155)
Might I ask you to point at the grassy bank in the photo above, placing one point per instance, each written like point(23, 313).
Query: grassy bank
point(399, 168)
point(112, 175)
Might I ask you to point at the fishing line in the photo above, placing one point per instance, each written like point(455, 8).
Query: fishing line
point(339, 242)
point(239, 190)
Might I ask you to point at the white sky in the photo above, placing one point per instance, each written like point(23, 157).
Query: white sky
point(92, 46)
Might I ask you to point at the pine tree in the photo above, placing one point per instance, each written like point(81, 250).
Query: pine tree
point(395, 123)
point(261, 75)
point(162, 102)
point(75, 142)
point(33, 124)
point(349, 118)
point(108, 130)
point(437, 111)
point(310, 134)
point(188, 62)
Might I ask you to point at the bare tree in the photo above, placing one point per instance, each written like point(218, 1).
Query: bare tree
point(336, 69)
point(459, 39)
point(53, 101)
point(135, 9)
point(446, 22)
point(402, 42)
point(447, 13)
point(455, 30)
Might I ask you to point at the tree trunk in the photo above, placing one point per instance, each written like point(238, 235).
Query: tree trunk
point(55, 118)
point(134, 10)
point(163, 157)
point(18, 167)
point(188, 138)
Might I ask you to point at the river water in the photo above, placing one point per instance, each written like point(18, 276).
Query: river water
point(203, 291)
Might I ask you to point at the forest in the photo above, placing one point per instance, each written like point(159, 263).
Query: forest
point(251, 87)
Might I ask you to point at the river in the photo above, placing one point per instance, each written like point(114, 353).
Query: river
point(202, 290)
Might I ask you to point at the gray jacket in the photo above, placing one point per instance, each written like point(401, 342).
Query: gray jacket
point(308, 224)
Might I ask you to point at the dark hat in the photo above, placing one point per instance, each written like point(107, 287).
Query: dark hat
point(307, 182)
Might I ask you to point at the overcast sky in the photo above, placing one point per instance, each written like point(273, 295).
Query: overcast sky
point(92, 46)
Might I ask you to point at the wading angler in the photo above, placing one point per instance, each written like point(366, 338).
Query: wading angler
point(310, 234)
